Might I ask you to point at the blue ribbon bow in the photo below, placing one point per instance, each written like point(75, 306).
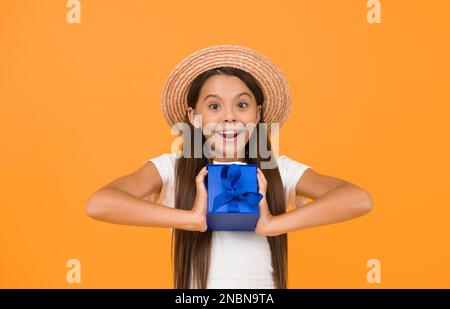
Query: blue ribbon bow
point(232, 195)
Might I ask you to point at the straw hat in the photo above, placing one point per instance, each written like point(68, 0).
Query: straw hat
point(277, 95)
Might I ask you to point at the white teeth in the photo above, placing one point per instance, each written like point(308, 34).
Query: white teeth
point(229, 134)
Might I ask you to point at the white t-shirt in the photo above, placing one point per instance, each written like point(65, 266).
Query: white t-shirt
point(239, 259)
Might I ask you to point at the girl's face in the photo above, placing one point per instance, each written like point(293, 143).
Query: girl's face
point(226, 105)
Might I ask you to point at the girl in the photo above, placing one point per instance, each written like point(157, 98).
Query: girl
point(230, 87)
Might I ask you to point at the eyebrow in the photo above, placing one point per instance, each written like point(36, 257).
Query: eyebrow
point(218, 97)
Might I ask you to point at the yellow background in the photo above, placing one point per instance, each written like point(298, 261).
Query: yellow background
point(80, 107)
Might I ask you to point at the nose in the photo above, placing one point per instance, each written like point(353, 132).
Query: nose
point(229, 116)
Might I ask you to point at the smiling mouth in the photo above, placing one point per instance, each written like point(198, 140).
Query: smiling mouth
point(228, 135)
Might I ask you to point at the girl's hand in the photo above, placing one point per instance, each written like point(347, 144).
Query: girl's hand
point(262, 226)
point(200, 206)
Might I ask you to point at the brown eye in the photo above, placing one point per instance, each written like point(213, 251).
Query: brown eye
point(242, 105)
point(214, 106)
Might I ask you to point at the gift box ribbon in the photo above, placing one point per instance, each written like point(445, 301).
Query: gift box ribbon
point(232, 195)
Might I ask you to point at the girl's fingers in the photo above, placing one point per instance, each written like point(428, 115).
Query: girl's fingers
point(261, 174)
point(201, 175)
point(200, 182)
point(260, 179)
point(261, 184)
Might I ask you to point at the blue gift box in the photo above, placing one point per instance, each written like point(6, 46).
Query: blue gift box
point(233, 197)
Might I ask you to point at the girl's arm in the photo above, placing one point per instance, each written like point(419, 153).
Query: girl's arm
point(334, 200)
point(121, 202)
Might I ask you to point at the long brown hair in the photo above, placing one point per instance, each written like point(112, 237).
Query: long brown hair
point(191, 251)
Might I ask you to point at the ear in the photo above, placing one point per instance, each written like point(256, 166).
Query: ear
point(258, 113)
point(192, 119)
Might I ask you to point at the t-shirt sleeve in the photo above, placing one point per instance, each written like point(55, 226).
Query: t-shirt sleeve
point(164, 165)
point(291, 171)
